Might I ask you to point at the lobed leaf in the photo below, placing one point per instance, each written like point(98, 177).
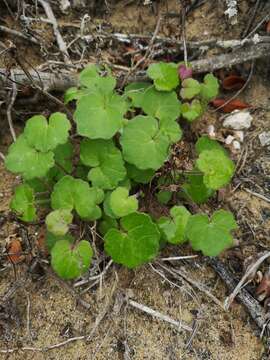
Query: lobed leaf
point(196, 190)
point(70, 263)
point(192, 111)
point(28, 162)
point(51, 239)
point(136, 91)
point(45, 136)
point(210, 87)
point(211, 236)
point(143, 144)
point(173, 229)
point(136, 243)
point(165, 76)
point(190, 88)
point(23, 203)
point(106, 161)
point(121, 203)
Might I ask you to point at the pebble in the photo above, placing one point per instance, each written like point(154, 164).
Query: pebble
point(229, 139)
point(211, 131)
point(264, 138)
point(238, 120)
point(236, 145)
point(239, 135)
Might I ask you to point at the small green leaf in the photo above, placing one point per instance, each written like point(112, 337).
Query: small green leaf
point(205, 143)
point(160, 104)
point(70, 263)
point(100, 115)
point(136, 243)
point(211, 237)
point(51, 239)
point(44, 136)
point(217, 167)
point(140, 176)
point(164, 196)
point(165, 76)
point(174, 229)
point(91, 79)
point(135, 91)
point(210, 87)
point(143, 144)
point(192, 111)
point(106, 162)
point(196, 190)
point(28, 162)
point(190, 88)
point(121, 203)
point(23, 203)
point(57, 221)
point(70, 193)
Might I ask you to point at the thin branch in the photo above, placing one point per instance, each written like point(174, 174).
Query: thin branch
point(20, 35)
point(10, 106)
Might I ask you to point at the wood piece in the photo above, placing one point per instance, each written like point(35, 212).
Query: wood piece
point(18, 34)
point(255, 310)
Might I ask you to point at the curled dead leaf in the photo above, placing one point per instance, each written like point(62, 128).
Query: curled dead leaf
point(263, 290)
point(227, 107)
point(233, 82)
point(14, 250)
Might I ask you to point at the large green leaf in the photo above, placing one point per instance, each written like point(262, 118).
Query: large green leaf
point(211, 236)
point(165, 75)
point(100, 115)
point(71, 193)
point(106, 162)
point(121, 203)
point(137, 241)
point(171, 129)
point(143, 143)
point(58, 221)
point(63, 159)
point(160, 104)
point(71, 262)
point(91, 79)
point(45, 136)
point(23, 203)
point(217, 168)
point(27, 161)
point(174, 229)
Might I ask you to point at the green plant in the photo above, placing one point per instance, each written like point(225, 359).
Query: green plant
point(100, 175)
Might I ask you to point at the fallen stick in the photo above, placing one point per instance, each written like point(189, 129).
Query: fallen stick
point(19, 34)
point(62, 81)
point(255, 310)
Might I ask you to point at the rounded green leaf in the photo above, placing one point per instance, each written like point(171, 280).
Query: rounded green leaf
point(165, 75)
point(107, 206)
point(210, 87)
point(135, 91)
point(70, 193)
point(121, 203)
point(174, 229)
point(160, 104)
point(211, 237)
point(58, 221)
point(100, 115)
point(63, 159)
point(192, 111)
point(23, 203)
point(106, 162)
point(136, 243)
point(205, 143)
point(44, 136)
point(140, 176)
point(143, 144)
point(171, 129)
point(217, 167)
point(106, 224)
point(91, 79)
point(190, 88)
point(28, 162)
point(70, 263)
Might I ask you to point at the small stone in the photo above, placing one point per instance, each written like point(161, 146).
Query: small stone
point(238, 120)
point(229, 139)
point(239, 135)
point(236, 145)
point(264, 138)
point(211, 131)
